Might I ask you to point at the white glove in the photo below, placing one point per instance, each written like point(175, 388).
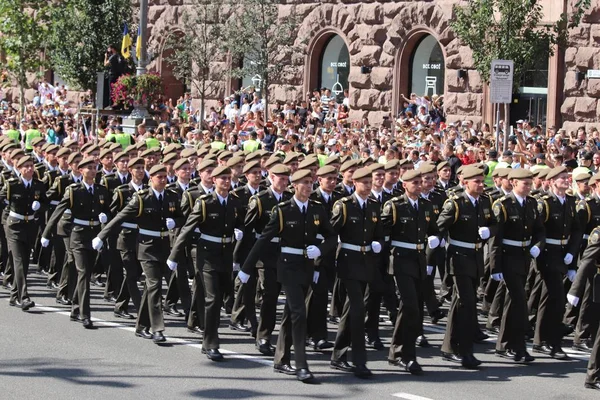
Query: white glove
point(170, 222)
point(102, 218)
point(44, 242)
point(97, 243)
point(573, 300)
point(243, 276)
point(571, 274)
point(429, 270)
point(172, 265)
point(534, 251)
point(376, 247)
point(568, 259)
point(236, 267)
point(316, 276)
point(497, 277)
point(313, 252)
point(443, 242)
point(433, 242)
point(238, 234)
point(35, 205)
point(484, 232)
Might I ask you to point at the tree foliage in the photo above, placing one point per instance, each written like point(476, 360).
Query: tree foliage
point(257, 37)
point(23, 27)
point(511, 30)
point(80, 33)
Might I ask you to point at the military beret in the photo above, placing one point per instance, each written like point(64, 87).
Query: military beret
point(157, 169)
point(300, 174)
point(170, 158)
point(73, 156)
point(253, 156)
point(392, 164)
point(89, 160)
point(147, 152)
point(212, 157)
point(221, 170)
point(309, 162)
point(84, 148)
point(411, 174)
point(130, 148)
point(52, 148)
point(326, 170)
point(364, 172)
point(272, 161)
point(188, 152)
point(426, 168)
point(281, 169)
point(348, 164)
point(202, 152)
point(404, 162)
point(239, 153)
point(263, 153)
point(250, 165)
point(235, 161)
point(173, 147)
point(442, 165)
point(206, 145)
point(471, 171)
point(582, 176)
point(114, 147)
point(206, 164)
point(141, 145)
point(543, 173)
point(135, 161)
point(332, 160)
point(45, 146)
point(520, 173)
point(17, 153)
point(180, 163)
point(10, 146)
point(23, 160)
point(224, 155)
point(92, 148)
point(460, 169)
point(120, 156)
point(69, 143)
point(214, 151)
point(105, 152)
point(343, 159)
point(594, 179)
point(554, 172)
point(290, 158)
point(376, 167)
point(64, 151)
point(38, 141)
point(502, 172)
point(102, 142)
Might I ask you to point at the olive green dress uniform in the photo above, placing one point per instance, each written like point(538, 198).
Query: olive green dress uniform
point(126, 245)
point(460, 220)
point(44, 254)
point(150, 212)
point(518, 229)
point(8, 278)
point(216, 223)
point(21, 227)
point(357, 228)
point(296, 231)
point(563, 229)
point(85, 208)
point(408, 229)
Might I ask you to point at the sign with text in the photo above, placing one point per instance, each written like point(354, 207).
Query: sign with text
point(501, 81)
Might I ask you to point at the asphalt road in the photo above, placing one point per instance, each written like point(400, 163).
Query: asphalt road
point(45, 356)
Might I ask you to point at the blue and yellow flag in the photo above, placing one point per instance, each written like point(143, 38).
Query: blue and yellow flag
point(126, 45)
point(138, 44)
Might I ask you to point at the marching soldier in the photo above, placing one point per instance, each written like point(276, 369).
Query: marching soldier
point(519, 237)
point(467, 220)
point(357, 221)
point(297, 223)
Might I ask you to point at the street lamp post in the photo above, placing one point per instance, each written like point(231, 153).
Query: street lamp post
point(139, 110)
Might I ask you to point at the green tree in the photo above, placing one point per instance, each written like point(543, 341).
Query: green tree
point(257, 37)
point(80, 33)
point(193, 56)
point(511, 30)
point(23, 26)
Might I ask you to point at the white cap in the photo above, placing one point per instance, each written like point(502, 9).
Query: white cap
point(331, 142)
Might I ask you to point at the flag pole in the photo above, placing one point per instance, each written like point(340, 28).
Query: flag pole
point(141, 65)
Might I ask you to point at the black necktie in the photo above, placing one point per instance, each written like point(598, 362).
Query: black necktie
point(416, 206)
point(379, 198)
point(224, 203)
point(476, 204)
point(303, 210)
point(160, 200)
point(364, 206)
point(123, 180)
point(91, 190)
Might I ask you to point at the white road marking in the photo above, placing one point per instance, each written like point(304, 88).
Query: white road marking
point(409, 396)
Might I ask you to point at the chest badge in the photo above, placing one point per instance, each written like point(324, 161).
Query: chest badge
point(316, 220)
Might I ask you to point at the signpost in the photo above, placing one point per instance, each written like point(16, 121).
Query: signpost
point(501, 89)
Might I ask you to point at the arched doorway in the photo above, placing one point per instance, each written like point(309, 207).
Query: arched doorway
point(427, 68)
point(334, 67)
point(174, 88)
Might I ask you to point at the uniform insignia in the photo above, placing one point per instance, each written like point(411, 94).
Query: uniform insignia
point(101, 199)
point(316, 220)
point(594, 237)
point(540, 207)
point(171, 206)
point(374, 217)
point(427, 217)
point(36, 195)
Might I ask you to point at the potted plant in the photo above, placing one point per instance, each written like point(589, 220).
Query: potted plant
point(137, 92)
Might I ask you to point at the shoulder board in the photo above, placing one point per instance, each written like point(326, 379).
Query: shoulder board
point(123, 187)
point(285, 203)
point(13, 180)
point(498, 207)
point(73, 185)
point(205, 196)
point(345, 199)
point(234, 194)
point(397, 198)
point(315, 201)
point(547, 196)
point(569, 196)
point(143, 192)
point(171, 191)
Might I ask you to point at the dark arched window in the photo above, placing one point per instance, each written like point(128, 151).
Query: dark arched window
point(427, 68)
point(334, 67)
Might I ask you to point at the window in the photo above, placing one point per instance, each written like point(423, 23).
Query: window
point(427, 68)
point(335, 67)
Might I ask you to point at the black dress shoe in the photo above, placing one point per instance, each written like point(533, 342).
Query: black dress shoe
point(64, 301)
point(523, 357)
point(74, 318)
point(376, 343)
point(122, 314)
point(582, 347)
point(481, 337)
point(264, 347)
point(195, 329)
point(592, 385)
point(87, 323)
point(494, 330)
point(435, 318)
point(323, 345)
point(213, 354)
point(52, 285)
point(422, 341)
point(542, 348)
point(558, 354)
point(304, 375)
point(14, 303)
point(411, 366)
point(172, 311)
point(158, 337)
point(341, 365)
point(143, 333)
point(110, 299)
point(27, 304)
point(455, 358)
point(508, 354)
point(284, 369)
point(97, 283)
point(333, 320)
point(239, 327)
point(361, 371)
point(470, 362)
point(568, 329)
